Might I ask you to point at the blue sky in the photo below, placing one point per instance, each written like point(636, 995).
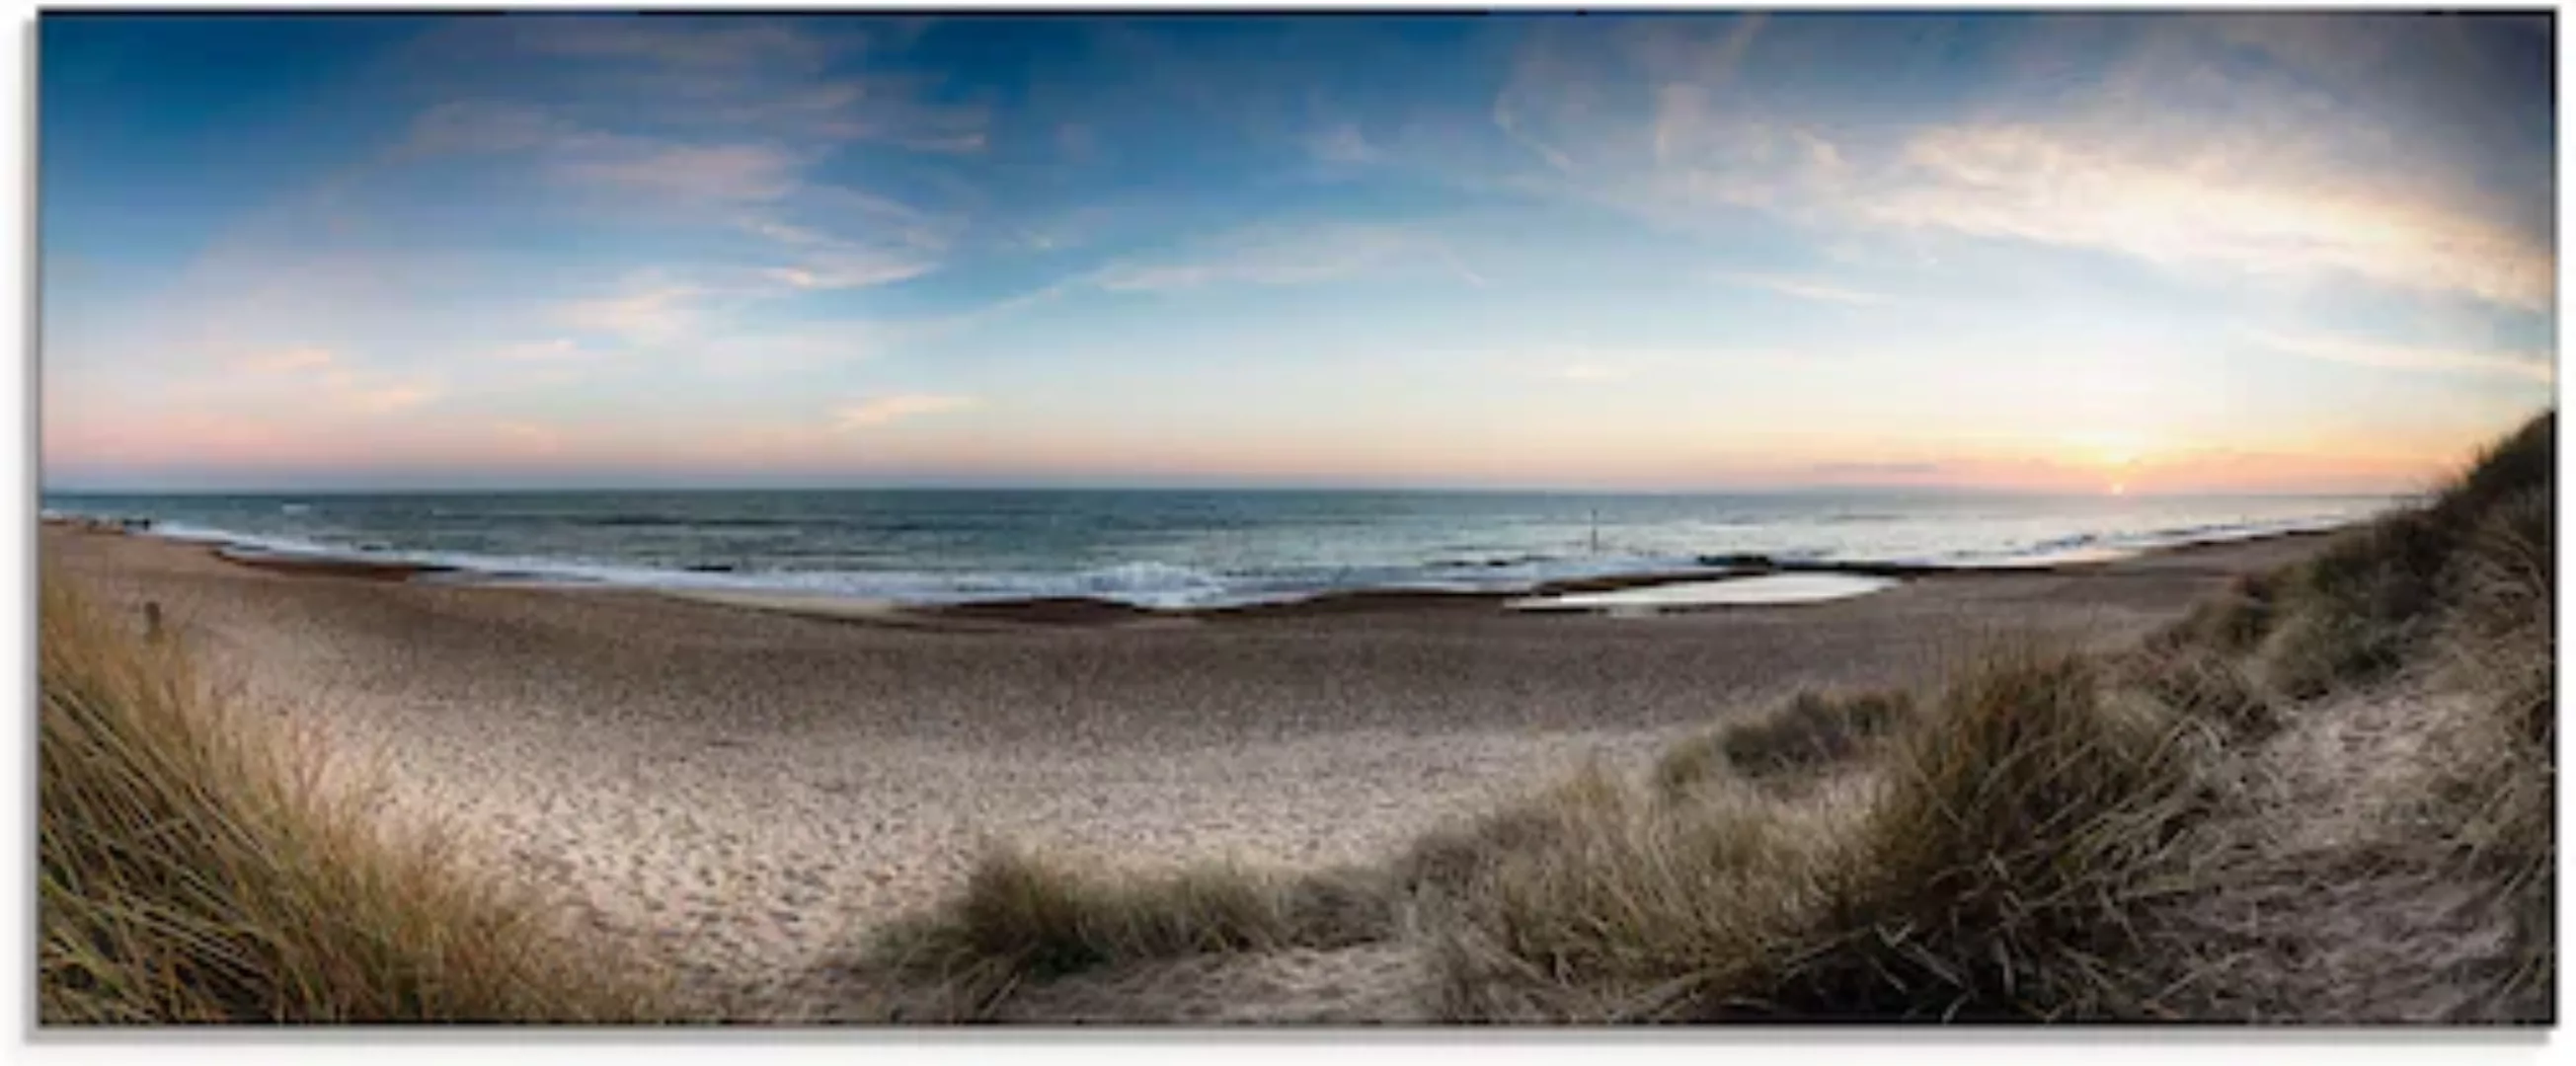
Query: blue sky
point(2132, 252)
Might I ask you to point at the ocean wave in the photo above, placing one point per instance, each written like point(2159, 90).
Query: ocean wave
point(1147, 584)
point(1166, 584)
point(2103, 546)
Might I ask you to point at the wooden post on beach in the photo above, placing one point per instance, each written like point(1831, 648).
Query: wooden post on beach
point(152, 620)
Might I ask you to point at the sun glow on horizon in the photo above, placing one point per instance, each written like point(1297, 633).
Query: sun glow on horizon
point(2110, 449)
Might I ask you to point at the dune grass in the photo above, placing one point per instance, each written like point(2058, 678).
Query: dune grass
point(1812, 730)
point(2231, 622)
point(2365, 605)
point(1634, 908)
point(2499, 784)
point(2360, 746)
point(2011, 844)
point(1967, 880)
point(192, 868)
point(2206, 684)
point(1022, 917)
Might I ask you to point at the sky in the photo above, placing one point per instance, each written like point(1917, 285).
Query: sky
point(2053, 252)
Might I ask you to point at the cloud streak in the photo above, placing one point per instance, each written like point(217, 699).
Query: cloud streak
point(556, 350)
point(717, 172)
point(649, 313)
point(1803, 288)
point(887, 410)
point(2204, 209)
point(1591, 373)
point(290, 361)
point(2525, 365)
point(1280, 256)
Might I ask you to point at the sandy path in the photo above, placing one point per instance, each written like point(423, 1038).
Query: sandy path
point(749, 791)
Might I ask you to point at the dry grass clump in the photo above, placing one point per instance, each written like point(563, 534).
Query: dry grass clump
point(1815, 729)
point(1811, 731)
point(2360, 608)
point(2359, 605)
point(2204, 683)
point(191, 868)
point(1628, 908)
point(1023, 918)
point(2232, 622)
point(1990, 872)
point(2500, 647)
point(2020, 833)
point(1452, 857)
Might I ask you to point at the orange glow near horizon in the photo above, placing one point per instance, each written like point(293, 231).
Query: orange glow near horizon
point(256, 451)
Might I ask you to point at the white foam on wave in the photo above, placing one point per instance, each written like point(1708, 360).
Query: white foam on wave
point(1152, 585)
point(256, 543)
point(2113, 546)
point(1764, 590)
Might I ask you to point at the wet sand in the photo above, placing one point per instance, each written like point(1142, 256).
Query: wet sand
point(748, 788)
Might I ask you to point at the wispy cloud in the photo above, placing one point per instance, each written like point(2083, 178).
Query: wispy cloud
point(2165, 155)
point(1507, 119)
point(1803, 288)
point(821, 260)
point(884, 410)
point(322, 386)
point(846, 272)
point(592, 159)
point(558, 349)
point(884, 109)
point(2529, 365)
point(1591, 373)
point(385, 399)
point(1896, 469)
point(764, 77)
point(718, 44)
point(482, 126)
point(1341, 144)
point(2182, 207)
point(791, 348)
point(1279, 256)
point(818, 260)
point(649, 313)
point(529, 437)
point(290, 361)
point(701, 172)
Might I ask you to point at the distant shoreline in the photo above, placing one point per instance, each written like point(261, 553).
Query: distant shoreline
point(1093, 610)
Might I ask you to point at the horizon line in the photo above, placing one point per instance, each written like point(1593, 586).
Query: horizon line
point(1536, 490)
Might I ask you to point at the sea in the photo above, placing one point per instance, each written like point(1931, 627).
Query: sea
point(1183, 548)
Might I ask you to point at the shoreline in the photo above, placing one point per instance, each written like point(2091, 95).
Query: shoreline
point(1074, 610)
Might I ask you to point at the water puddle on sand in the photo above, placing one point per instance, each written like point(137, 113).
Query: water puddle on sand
point(1766, 590)
point(821, 605)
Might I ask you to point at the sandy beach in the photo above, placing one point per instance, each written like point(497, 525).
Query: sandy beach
point(745, 789)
